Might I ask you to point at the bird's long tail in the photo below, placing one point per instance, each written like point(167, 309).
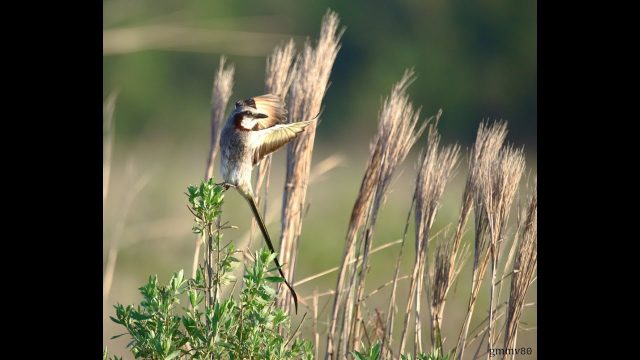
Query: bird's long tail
point(263, 228)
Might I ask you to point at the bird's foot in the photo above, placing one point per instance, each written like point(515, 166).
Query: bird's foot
point(226, 185)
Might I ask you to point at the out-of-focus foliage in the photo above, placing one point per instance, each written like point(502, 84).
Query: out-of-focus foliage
point(473, 59)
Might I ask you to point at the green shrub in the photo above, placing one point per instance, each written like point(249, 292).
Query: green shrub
point(227, 329)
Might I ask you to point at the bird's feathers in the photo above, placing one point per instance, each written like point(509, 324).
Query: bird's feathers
point(267, 239)
point(273, 138)
point(272, 106)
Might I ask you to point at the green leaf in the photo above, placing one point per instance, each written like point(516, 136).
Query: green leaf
point(374, 354)
point(172, 355)
point(117, 336)
point(274, 279)
point(116, 320)
point(139, 316)
point(358, 355)
point(193, 298)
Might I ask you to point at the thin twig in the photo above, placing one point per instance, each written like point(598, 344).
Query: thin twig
point(220, 94)
point(329, 271)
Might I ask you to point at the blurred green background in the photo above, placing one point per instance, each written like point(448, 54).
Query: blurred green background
point(474, 59)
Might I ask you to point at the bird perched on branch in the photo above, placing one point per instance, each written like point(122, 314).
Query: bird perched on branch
point(255, 128)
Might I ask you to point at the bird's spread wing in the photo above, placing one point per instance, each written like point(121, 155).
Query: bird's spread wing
point(272, 106)
point(273, 138)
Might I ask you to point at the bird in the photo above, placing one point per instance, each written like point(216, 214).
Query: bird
point(255, 128)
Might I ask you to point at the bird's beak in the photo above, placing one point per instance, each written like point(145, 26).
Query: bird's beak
point(260, 116)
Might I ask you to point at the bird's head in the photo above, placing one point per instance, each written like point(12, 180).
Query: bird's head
point(245, 116)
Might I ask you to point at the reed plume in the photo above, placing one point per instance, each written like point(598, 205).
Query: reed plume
point(222, 89)
point(443, 271)
point(524, 270)
point(309, 83)
point(489, 140)
point(397, 133)
point(498, 187)
point(434, 171)
point(278, 77)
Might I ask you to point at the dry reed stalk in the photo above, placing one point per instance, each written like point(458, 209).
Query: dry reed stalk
point(489, 140)
point(363, 201)
point(512, 251)
point(310, 80)
point(497, 190)
point(439, 286)
point(316, 334)
point(386, 338)
point(435, 170)
point(399, 118)
point(396, 135)
point(278, 77)
point(508, 263)
point(524, 270)
point(444, 273)
point(109, 128)
point(222, 89)
point(445, 268)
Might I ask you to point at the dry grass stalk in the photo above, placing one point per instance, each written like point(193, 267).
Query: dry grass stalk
point(310, 81)
point(109, 133)
point(363, 201)
point(112, 255)
point(445, 268)
point(398, 120)
point(507, 267)
point(381, 287)
point(316, 334)
point(109, 128)
point(498, 187)
point(435, 170)
point(439, 286)
point(387, 337)
point(489, 140)
point(444, 274)
point(222, 89)
point(524, 270)
point(397, 133)
point(325, 166)
point(508, 263)
point(278, 78)
point(329, 271)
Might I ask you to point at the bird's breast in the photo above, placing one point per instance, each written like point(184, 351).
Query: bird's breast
point(235, 157)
